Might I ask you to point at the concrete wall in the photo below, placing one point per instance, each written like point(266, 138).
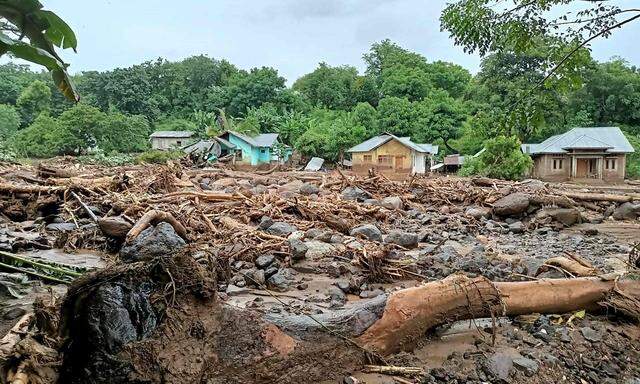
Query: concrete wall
point(618, 173)
point(391, 148)
point(543, 167)
point(250, 155)
point(168, 142)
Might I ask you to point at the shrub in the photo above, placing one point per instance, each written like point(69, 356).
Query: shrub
point(112, 159)
point(633, 159)
point(9, 121)
point(158, 157)
point(44, 138)
point(121, 133)
point(502, 159)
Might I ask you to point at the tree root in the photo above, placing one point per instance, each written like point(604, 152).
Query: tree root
point(154, 217)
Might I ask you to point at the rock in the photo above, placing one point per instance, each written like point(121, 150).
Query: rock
point(115, 227)
point(318, 249)
point(313, 233)
point(280, 281)
point(516, 227)
point(499, 365)
point(477, 212)
point(533, 184)
point(255, 277)
point(355, 193)
point(566, 216)
point(337, 295)
point(343, 285)
point(369, 231)
point(336, 238)
point(13, 313)
point(309, 189)
point(61, 227)
point(528, 366)
point(372, 202)
point(272, 270)
point(591, 334)
point(627, 211)
point(280, 228)
point(298, 249)
point(263, 261)
point(265, 222)
point(401, 238)
point(161, 240)
point(590, 231)
point(511, 205)
point(371, 294)
point(392, 202)
point(223, 183)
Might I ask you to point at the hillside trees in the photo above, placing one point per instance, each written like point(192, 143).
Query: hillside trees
point(9, 121)
point(33, 100)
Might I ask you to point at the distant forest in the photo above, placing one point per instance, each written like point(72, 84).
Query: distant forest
point(325, 111)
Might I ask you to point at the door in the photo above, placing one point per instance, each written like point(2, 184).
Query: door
point(399, 162)
point(582, 168)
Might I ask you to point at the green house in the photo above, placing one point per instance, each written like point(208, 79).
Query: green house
point(255, 150)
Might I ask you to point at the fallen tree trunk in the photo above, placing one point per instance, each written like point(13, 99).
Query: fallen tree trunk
point(598, 197)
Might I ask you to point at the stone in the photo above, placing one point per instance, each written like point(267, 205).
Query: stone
point(369, 231)
point(372, 202)
point(392, 202)
point(511, 205)
point(627, 211)
point(158, 241)
point(279, 281)
point(590, 231)
point(477, 212)
point(255, 277)
point(272, 270)
point(61, 227)
point(528, 366)
point(591, 334)
point(499, 365)
point(318, 249)
point(313, 233)
point(343, 285)
point(263, 261)
point(14, 313)
point(566, 216)
point(355, 193)
point(401, 238)
point(280, 228)
point(337, 295)
point(336, 238)
point(265, 222)
point(516, 227)
point(371, 294)
point(223, 183)
point(298, 249)
point(309, 189)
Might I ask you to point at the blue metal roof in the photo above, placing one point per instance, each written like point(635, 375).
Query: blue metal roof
point(609, 139)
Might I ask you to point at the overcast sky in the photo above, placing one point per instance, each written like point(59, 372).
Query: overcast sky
point(289, 35)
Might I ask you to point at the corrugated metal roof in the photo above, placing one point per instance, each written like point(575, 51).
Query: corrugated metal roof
point(377, 141)
point(261, 140)
point(171, 134)
point(610, 139)
point(314, 164)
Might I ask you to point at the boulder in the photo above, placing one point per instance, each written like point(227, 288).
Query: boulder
point(298, 249)
point(566, 216)
point(369, 231)
point(161, 240)
point(528, 366)
point(516, 227)
point(499, 365)
point(116, 227)
point(401, 238)
point(392, 202)
point(511, 205)
point(627, 211)
point(477, 212)
point(318, 249)
point(263, 261)
point(355, 193)
point(309, 189)
point(223, 183)
point(280, 228)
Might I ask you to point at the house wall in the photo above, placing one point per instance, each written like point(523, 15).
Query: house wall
point(392, 148)
point(168, 142)
point(543, 167)
point(250, 154)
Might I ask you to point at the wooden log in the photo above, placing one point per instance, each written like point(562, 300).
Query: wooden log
point(615, 198)
point(116, 227)
point(154, 217)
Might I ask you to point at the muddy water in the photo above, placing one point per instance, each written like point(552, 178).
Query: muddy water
point(83, 258)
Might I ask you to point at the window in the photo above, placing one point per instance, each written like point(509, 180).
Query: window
point(178, 143)
point(263, 150)
point(557, 164)
point(366, 158)
point(610, 164)
point(384, 160)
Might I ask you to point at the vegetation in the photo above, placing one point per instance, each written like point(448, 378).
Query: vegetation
point(534, 81)
point(158, 157)
point(501, 159)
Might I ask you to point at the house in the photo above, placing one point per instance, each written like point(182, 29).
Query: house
point(255, 150)
point(453, 163)
point(581, 154)
point(169, 139)
point(211, 149)
point(388, 153)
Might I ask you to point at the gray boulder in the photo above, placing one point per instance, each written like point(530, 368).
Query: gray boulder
point(566, 216)
point(355, 193)
point(627, 211)
point(158, 241)
point(263, 261)
point(499, 365)
point(61, 227)
point(516, 227)
point(369, 231)
point(528, 366)
point(401, 238)
point(392, 202)
point(477, 212)
point(280, 228)
point(309, 189)
point(511, 205)
point(298, 249)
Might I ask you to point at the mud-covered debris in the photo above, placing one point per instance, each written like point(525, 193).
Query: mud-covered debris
point(158, 241)
point(369, 231)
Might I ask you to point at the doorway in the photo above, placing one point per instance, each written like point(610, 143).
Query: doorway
point(586, 168)
point(399, 162)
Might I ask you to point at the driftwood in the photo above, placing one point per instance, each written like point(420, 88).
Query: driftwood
point(116, 227)
point(154, 217)
point(616, 198)
point(572, 266)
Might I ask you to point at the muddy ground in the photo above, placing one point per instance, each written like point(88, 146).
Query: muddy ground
point(311, 243)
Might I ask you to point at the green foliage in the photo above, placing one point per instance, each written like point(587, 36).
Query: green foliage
point(9, 121)
point(406, 82)
point(175, 124)
point(33, 100)
point(122, 133)
point(7, 153)
point(502, 159)
point(252, 89)
point(111, 159)
point(44, 138)
point(83, 123)
point(334, 87)
point(633, 159)
point(158, 157)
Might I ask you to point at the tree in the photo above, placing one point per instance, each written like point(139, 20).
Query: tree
point(121, 133)
point(397, 116)
point(502, 159)
point(9, 121)
point(34, 99)
point(44, 138)
point(386, 54)
point(329, 87)
point(449, 77)
point(405, 82)
point(45, 30)
point(252, 89)
point(83, 124)
point(366, 116)
point(442, 117)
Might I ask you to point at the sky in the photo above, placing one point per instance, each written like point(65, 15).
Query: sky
point(292, 36)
